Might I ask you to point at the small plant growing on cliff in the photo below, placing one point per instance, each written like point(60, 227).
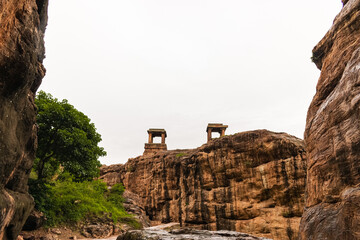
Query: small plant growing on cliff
point(288, 214)
point(180, 155)
point(248, 163)
point(131, 169)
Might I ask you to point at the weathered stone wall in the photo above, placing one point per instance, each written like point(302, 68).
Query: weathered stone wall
point(250, 182)
point(332, 134)
point(22, 29)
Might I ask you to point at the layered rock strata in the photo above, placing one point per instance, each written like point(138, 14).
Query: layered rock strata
point(250, 182)
point(22, 29)
point(332, 134)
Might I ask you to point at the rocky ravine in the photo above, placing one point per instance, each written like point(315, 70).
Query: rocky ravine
point(21, 71)
point(250, 182)
point(332, 134)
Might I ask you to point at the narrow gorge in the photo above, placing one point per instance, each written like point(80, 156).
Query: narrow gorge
point(266, 184)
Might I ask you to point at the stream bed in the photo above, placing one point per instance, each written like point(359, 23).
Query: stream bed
point(170, 232)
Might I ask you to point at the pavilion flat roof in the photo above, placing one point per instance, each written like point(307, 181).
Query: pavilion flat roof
point(216, 126)
point(156, 131)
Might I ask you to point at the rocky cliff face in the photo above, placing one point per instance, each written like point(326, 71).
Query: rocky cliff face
point(21, 71)
point(332, 134)
point(250, 182)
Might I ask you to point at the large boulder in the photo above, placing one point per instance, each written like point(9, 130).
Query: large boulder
point(332, 134)
point(35, 220)
point(22, 29)
point(251, 182)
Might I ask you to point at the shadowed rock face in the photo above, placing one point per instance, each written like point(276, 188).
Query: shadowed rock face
point(332, 134)
point(249, 182)
point(21, 71)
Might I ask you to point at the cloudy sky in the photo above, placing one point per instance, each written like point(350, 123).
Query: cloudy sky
point(131, 65)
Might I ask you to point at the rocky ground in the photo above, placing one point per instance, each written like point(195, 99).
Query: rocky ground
point(89, 231)
point(173, 232)
point(51, 234)
point(163, 232)
point(94, 228)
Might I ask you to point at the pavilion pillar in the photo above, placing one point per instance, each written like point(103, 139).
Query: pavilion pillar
point(222, 133)
point(215, 127)
point(150, 138)
point(163, 138)
point(209, 135)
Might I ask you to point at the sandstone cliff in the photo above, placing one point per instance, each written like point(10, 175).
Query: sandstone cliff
point(251, 182)
point(21, 71)
point(332, 134)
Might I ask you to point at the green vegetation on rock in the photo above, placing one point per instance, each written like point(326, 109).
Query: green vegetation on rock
point(62, 179)
point(180, 155)
point(66, 202)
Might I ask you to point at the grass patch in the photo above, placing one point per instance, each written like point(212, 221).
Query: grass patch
point(180, 155)
point(67, 202)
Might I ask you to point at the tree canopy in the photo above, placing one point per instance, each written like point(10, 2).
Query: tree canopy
point(67, 140)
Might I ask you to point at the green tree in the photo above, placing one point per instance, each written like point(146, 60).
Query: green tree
point(67, 141)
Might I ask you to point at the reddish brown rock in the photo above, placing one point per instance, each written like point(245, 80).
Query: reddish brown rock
point(251, 182)
point(21, 71)
point(332, 134)
point(132, 205)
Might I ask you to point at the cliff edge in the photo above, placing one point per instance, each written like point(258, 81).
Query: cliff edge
point(250, 182)
point(21, 71)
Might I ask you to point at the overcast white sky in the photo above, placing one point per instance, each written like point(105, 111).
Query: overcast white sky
point(180, 64)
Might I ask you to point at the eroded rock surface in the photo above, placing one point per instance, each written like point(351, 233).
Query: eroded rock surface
point(132, 204)
point(21, 71)
point(250, 182)
point(332, 134)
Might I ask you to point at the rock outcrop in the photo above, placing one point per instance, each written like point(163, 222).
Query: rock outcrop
point(250, 182)
point(35, 221)
point(21, 71)
point(332, 134)
point(132, 205)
